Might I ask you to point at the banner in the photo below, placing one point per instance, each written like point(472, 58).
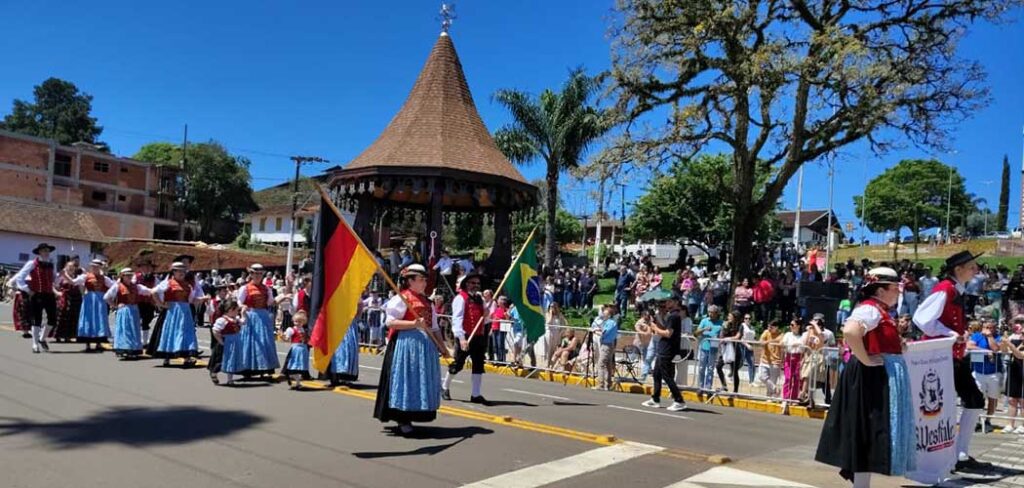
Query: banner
point(930, 364)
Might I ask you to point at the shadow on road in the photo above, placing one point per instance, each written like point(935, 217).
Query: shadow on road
point(572, 404)
point(504, 403)
point(431, 433)
point(135, 426)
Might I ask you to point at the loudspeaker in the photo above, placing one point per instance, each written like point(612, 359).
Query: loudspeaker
point(820, 289)
point(823, 305)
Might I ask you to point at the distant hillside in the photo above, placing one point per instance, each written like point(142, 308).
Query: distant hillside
point(281, 194)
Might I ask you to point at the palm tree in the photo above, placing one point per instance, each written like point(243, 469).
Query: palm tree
point(557, 127)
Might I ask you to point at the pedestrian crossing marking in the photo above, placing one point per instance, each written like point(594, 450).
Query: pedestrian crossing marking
point(565, 468)
point(734, 477)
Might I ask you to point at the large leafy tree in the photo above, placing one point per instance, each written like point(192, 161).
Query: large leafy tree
point(556, 127)
point(1004, 196)
point(59, 111)
point(783, 82)
point(567, 227)
point(217, 184)
point(914, 194)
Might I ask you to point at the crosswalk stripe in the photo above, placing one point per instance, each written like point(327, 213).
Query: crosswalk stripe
point(565, 468)
point(735, 477)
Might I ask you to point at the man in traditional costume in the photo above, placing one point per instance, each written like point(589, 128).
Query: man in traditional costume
point(36, 280)
point(468, 325)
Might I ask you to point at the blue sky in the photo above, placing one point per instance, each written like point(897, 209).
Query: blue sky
point(272, 79)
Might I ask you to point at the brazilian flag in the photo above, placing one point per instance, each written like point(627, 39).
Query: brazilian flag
point(524, 288)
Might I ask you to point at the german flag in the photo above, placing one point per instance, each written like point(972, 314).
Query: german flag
point(343, 267)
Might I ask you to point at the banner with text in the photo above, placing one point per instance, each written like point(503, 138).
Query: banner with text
point(930, 364)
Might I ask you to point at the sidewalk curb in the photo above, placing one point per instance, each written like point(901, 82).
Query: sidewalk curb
point(690, 396)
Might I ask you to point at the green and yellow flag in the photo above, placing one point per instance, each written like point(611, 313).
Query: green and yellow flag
point(524, 288)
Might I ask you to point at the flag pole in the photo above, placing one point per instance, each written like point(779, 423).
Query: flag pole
point(379, 270)
point(501, 286)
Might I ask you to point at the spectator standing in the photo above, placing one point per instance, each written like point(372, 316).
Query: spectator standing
point(764, 298)
point(555, 323)
point(587, 289)
point(623, 285)
point(669, 331)
point(911, 293)
point(609, 334)
point(984, 346)
point(793, 341)
point(771, 358)
point(685, 348)
point(748, 335)
point(730, 353)
point(743, 297)
point(1014, 346)
point(498, 318)
point(709, 330)
point(646, 340)
point(927, 282)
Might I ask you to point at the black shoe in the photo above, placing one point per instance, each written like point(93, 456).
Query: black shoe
point(26, 335)
point(478, 399)
point(972, 464)
point(214, 378)
point(446, 395)
point(45, 346)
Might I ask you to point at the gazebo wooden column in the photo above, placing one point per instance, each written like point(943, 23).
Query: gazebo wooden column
point(435, 222)
point(501, 255)
point(363, 224)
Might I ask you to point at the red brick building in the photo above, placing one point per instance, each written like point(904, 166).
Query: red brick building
point(126, 198)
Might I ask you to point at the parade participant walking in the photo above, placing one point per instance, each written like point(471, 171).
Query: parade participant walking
point(470, 331)
point(147, 310)
point(36, 280)
point(69, 306)
point(670, 332)
point(227, 351)
point(344, 365)
point(942, 315)
point(124, 296)
point(410, 379)
point(177, 337)
point(93, 320)
point(259, 352)
point(296, 363)
point(870, 424)
point(153, 344)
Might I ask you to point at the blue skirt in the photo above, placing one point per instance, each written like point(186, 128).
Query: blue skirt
point(178, 336)
point(93, 320)
point(259, 351)
point(231, 360)
point(415, 373)
point(128, 331)
point(297, 361)
point(345, 363)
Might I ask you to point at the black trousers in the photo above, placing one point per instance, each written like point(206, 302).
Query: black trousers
point(664, 370)
point(146, 311)
point(966, 388)
point(39, 302)
point(477, 351)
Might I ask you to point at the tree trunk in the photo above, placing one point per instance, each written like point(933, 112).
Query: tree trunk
point(743, 227)
point(914, 231)
point(550, 244)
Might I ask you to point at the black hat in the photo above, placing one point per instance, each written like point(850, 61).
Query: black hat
point(182, 257)
point(43, 246)
point(959, 258)
point(462, 284)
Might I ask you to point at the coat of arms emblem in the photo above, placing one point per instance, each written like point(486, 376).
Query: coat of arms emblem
point(931, 394)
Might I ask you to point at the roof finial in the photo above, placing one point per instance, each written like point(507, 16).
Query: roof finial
point(446, 16)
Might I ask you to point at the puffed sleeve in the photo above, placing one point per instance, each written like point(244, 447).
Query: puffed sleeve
point(159, 290)
point(867, 315)
point(79, 280)
point(111, 293)
point(395, 309)
point(927, 316)
point(144, 291)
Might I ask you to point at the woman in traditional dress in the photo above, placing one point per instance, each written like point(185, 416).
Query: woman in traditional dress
point(69, 305)
point(296, 363)
point(410, 381)
point(344, 365)
point(227, 348)
point(259, 351)
point(93, 319)
point(124, 297)
point(20, 310)
point(178, 334)
point(870, 424)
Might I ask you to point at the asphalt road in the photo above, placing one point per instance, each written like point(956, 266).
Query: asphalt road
point(73, 419)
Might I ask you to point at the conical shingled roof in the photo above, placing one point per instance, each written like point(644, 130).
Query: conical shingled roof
point(439, 127)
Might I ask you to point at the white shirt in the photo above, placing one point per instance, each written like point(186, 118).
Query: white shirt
point(458, 316)
point(80, 280)
point(395, 310)
point(794, 343)
point(466, 265)
point(21, 278)
point(445, 265)
point(161, 288)
point(222, 322)
point(111, 293)
point(927, 315)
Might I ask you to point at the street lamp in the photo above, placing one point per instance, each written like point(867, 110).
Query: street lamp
point(299, 161)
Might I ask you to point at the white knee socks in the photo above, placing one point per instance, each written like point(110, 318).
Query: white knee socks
point(968, 419)
point(145, 337)
point(861, 480)
point(447, 383)
point(36, 331)
point(46, 333)
point(477, 380)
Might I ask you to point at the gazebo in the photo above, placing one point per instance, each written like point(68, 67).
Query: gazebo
point(436, 160)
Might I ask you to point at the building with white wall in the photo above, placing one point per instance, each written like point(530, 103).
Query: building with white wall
point(25, 225)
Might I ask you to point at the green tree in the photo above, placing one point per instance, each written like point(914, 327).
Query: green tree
point(684, 205)
point(914, 194)
point(782, 83)
point(567, 227)
point(556, 127)
point(59, 112)
point(1004, 196)
point(216, 183)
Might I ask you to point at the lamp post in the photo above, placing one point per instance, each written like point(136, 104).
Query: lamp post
point(299, 161)
point(949, 207)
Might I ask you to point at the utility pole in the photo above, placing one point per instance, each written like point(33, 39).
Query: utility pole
point(600, 218)
point(828, 235)
point(949, 207)
point(183, 191)
point(299, 161)
point(864, 210)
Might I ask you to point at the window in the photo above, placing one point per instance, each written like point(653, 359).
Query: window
point(124, 169)
point(278, 224)
point(62, 165)
point(99, 196)
point(263, 224)
point(101, 166)
point(122, 198)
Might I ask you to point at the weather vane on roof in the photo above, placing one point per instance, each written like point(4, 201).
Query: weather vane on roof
point(446, 16)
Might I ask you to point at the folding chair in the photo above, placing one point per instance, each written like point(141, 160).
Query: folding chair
point(630, 358)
